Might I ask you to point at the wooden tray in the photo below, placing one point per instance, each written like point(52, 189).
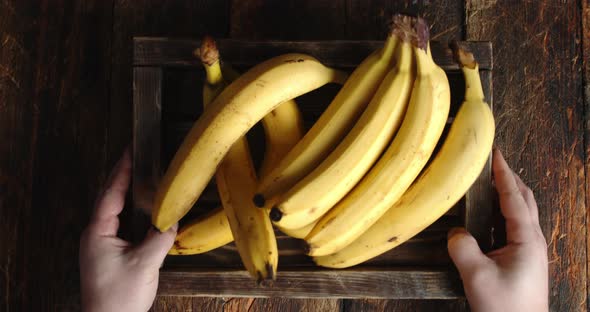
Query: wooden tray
point(167, 82)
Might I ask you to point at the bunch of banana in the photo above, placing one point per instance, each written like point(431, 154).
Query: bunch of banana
point(357, 184)
point(330, 128)
point(344, 167)
point(448, 177)
point(402, 161)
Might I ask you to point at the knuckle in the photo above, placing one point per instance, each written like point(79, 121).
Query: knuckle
point(512, 191)
point(478, 276)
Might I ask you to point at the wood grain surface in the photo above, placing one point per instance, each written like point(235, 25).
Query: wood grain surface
point(586, 70)
point(539, 116)
point(65, 117)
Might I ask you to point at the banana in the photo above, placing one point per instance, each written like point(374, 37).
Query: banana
point(250, 226)
point(449, 176)
point(401, 163)
point(283, 129)
point(203, 234)
point(331, 127)
point(236, 182)
point(309, 199)
point(239, 106)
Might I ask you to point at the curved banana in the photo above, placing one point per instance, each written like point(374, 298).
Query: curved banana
point(310, 199)
point(283, 129)
point(398, 167)
point(331, 127)
point(236, 181)
point(242, 104)
point(250, 226)
point(454, 169)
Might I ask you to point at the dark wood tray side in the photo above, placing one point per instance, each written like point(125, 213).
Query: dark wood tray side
point(419, 268)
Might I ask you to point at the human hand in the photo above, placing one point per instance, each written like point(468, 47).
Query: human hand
point(114, 275)
point(515, 277)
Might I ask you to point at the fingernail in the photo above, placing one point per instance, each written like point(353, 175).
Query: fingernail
point(453, 231)
point(174, 227)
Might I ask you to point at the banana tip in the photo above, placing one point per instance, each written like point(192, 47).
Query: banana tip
point(306, 247)
point(259, 200)
point(463, 56)
point(422, 33)
point(208, 52)
point(270, 271)
point(275, 214)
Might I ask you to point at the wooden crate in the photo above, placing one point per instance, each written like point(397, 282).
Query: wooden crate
point(167, 83)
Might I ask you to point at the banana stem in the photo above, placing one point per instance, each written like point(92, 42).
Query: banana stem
point(470, 68)
point(209, 55)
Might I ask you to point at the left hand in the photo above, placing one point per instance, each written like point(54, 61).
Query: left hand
point(114, 275)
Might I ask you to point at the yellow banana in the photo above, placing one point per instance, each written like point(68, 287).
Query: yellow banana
point(242, 104)
point(283, 129)
point(331, 127)
point(398, 167)
point(236, 181)
point(309, 199)
point(448, 177)
point(203, 234)
point(250, 226)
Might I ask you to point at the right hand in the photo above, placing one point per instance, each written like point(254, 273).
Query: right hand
point(515, 277)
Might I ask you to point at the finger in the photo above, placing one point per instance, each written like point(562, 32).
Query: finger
point(111, 202)
point(512, 204)
point(155, 246)
point(529, 198)
point(465, 252)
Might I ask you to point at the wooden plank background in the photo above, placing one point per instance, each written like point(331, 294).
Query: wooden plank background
point(65, 117)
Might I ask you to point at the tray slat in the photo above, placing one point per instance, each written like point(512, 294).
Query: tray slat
point(405, 283)
point(339, 53)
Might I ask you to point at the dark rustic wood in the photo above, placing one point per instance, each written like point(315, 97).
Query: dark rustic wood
point(479, 206)
point(427, 249)
point(338, 19)
point(183, 18)
point(340, 53)
point(539, 116)
point(18, 137)
point(182, 304)
point(411, 305)
point(147, 97)
point(586, 64)
point(315, 283)
point(278, 304)
point(309, 20)
point(54, 79)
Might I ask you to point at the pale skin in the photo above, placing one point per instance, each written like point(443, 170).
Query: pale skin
point(514, 277)
point(116, 276)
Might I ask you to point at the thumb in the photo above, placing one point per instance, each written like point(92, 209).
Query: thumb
point(464, 251)
point(156, 245)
